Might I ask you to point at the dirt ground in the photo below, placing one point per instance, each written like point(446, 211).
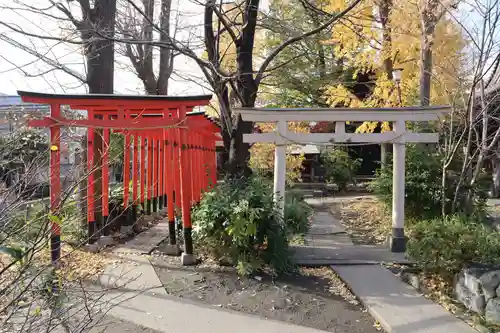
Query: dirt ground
point(365, 219)
point(311, 297)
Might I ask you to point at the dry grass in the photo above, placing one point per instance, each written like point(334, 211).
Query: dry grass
point(75, 265)
point(365, 219)
point(337, 286)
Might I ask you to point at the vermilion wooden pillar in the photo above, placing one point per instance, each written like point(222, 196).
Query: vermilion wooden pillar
point(126, 172)
point(135, 173)
point(92, 232)
point(105, 182)
point(199, 164)
point(149, 144)
point(190, 158)
point(170, 187)
point(187, 256)
point(160, 174)
point(165, 168)
point(154, 175)
point(198, 173)
point(213, 167)
point(142, 165)
point(203, 165)
point(55, 185)
point(176, 162)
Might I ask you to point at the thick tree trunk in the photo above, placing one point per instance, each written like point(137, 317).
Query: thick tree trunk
point(239, 152)
point(100, 71)
point(428, 23)
point(384, 11)
point(166, 58)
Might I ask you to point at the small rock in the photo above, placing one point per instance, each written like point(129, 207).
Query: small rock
point(490, 282)
point(258, 278)
point(411, 278)
point(474, 302)
point(492, 311)
point(481, 329)
point(280, 304)
point(471, 282)
point(498, 291)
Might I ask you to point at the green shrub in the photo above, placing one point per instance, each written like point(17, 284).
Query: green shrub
point(297, 214)
point(446, 245)
point(422, 183)
point(423, 186)
point(339, 167)
point(239, 221)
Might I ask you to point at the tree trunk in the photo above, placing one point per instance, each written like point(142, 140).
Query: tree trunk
point(428, 23)
point(239, 152)
point(166, 58)
point(100, 71)
point(384, 11)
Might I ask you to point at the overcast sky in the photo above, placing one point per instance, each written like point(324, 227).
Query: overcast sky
point(11, 58)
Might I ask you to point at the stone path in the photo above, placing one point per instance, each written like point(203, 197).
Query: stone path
point(145, 242)
point(327, 243)
point(397, 306)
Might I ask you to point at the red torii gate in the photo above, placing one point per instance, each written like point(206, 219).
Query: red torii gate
point(173, 156)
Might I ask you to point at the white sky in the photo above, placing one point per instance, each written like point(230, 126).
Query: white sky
point(126, 82)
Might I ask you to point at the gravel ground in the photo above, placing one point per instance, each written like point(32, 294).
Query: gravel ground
point(110, 324)
point(312, 297)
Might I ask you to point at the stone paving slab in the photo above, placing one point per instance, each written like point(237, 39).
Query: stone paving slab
point(398, 307)
point(137, 296)
point(327, 240)
point(347, 252)
point(147, 241)
point(324, 224)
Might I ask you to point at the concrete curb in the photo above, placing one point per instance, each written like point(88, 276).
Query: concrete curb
point(396, 306)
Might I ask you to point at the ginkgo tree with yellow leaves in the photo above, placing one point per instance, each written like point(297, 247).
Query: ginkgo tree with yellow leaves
point(381, 35)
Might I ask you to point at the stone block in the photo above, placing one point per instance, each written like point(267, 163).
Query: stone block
point(472, 300)
point(492, 311)
point(106, 241)
point(188, 259)
point(470, 279)
point(127, 230)
point(411, 278)
point(93, 248)
point(490, 281)
point(168, 249)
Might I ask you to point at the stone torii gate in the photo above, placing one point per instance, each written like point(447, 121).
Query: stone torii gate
point(173, 157)
point(399, 136)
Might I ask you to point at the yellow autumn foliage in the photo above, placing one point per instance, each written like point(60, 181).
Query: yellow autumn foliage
point(358, 41)
point(262, 154)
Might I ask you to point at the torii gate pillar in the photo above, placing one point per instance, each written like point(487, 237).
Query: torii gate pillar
point(280, 169)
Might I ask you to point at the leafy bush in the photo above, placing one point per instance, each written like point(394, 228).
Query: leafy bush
point(445, 245)
point(339, 167)
point(422, 183)
point(423, 186)
point(297, 213)
point(238, 221)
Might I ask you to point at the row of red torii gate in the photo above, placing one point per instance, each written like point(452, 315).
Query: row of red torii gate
point(173, 158)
